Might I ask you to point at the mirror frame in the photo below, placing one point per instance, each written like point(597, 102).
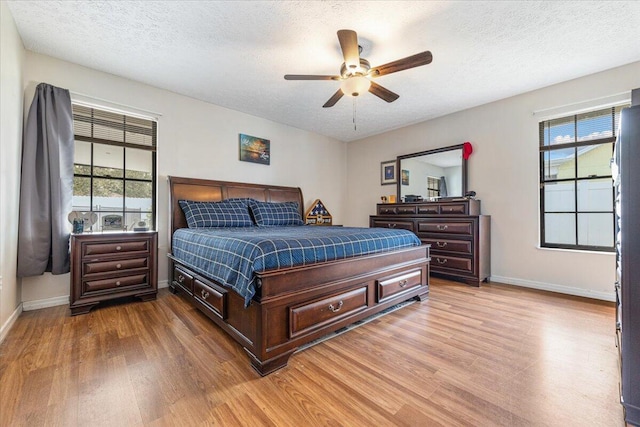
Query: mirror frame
point(434, 151)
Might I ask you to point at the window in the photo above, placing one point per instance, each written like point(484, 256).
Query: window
point(576, 191)
point(433, 186)
point(114, 168)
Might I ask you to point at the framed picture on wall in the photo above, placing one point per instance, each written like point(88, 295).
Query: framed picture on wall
point(405, 177)
point(388, 172)
point(255, 150)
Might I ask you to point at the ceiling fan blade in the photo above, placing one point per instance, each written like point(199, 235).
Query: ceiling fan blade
point(349, 45)
point(335, 98)
point(422, 58)
point(309, 77)
point(382, 92)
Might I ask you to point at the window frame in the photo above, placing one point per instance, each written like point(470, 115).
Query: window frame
point(576, 179)
point(123, 179)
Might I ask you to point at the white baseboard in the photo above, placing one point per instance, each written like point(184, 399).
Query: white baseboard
point(605, 296)
point(64, 300)
point(4, 330)
point(45, 303)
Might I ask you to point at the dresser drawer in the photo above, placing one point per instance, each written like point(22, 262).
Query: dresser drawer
point(449, 227)
point(453, 208)
point(92, 249)
point(312, 315)
point(124, 282)
point(445, 262)
point(406, 210)
point(391, 286)
point(391, 223)
point(210, 297)
point(183, 279)
point(449, 245)
point(119, 265)
point(387, 210)
point(429, 209)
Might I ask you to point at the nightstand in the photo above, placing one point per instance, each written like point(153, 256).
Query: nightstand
point(110, 265)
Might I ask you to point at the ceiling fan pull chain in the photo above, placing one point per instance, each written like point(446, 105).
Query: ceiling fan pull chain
point(354, 114)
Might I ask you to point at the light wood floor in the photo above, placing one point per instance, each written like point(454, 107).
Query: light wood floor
point(497, 355)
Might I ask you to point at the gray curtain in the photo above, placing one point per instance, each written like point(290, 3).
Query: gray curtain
point(443, 187)
point(46, 187)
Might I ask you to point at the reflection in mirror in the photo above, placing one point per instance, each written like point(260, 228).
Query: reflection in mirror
point(432, 174)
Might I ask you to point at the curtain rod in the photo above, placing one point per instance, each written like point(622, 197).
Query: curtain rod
point(93, 101)
point(589, 104)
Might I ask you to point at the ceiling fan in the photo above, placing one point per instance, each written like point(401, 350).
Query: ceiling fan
point(356, 72)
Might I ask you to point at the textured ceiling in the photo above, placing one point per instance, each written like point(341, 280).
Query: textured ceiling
point(235, 54)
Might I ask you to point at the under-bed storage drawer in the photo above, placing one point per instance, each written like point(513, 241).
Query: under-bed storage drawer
point(312, 315)
point(183, 279)
point(388, 287)
point(212, 298)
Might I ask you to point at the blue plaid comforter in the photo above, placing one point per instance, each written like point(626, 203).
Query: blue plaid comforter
point(231, 256)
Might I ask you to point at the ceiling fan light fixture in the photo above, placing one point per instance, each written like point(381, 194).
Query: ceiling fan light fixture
point(355, 85)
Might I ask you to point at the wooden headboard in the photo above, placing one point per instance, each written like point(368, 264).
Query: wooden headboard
point(204, 190)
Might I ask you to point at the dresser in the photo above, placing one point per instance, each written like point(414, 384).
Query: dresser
point(460, 237)
point(105, 266)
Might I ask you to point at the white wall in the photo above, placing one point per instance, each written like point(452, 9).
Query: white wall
point(11, 69)
point(196, 139)
point(503, 170)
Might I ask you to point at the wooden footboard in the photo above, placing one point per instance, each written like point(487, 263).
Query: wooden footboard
point(276, 323)
point(297, 305)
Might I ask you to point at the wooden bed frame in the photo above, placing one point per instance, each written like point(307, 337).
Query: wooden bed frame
point(293, 306)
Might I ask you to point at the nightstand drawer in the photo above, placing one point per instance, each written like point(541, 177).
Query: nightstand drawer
point(119, 265)
point(89, 249)
point(138, 280)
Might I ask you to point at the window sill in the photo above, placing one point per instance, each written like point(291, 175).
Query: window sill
point(580, 251)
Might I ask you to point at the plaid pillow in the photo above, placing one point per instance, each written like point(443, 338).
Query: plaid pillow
point(216, 214)
point(272, 214)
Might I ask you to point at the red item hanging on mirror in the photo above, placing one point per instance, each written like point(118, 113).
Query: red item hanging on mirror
point(467, 149)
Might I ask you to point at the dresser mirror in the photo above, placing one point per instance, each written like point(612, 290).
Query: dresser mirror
point(431, 175)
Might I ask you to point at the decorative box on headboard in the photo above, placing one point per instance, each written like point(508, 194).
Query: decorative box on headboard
point(317, 214)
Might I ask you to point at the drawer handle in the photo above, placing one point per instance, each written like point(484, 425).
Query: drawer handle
point(441, 244)
point(391, 225)
point(442, 227)
point(403, 283)
point(118, 265)
point(118, 248)
point(441, 261)
point(180, 278)
point(204, 294)
point(336, 309)
point(118, 283)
